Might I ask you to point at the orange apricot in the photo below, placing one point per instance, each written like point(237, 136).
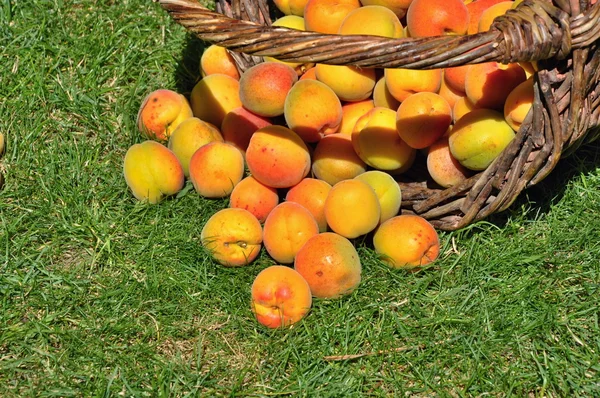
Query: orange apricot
point(330, 264)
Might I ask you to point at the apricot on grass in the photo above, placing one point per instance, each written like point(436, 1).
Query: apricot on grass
point(479, 137)
point(233, 237)
point(311, 193)
point(422, 119)
point(254, 196)
point(387, 190)
point(352, 208)
point(312, 110)
point(330, 264)
point(264, 87)
point(280, 297)
point(152, 171)
point(376, 140)
point(214, 96)
point(277, 157)
point(217, 59)
point(407, 241)
point(335, 160)
point(190, 135)
point(216, 168)
point(238, 126)
point(287, 227)
point(161, 112)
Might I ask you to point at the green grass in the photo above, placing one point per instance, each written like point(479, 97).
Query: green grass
point(103, 296)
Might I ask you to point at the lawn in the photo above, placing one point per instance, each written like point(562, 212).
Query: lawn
point(101, 295)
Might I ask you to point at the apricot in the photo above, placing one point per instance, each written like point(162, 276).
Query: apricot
point(476, 8)
point(479, 137)
point(351, 112)
point(160, 114)
point(326, 16)
point(277, 157)
point(280, 297)
point(291, 7)
point(426, 18)
point(292, 22)
point(217, 59)
point(349, 83)
point(216, 168)
point(487, 85)
point(309, 74)
point(335, 160)
point(382, 96)
point(518, 103)
point(264, 87)
point(422, 119)
point(286, 229)
point(311, 193)
point(387, 190)
point(399, 7)
point(449, 94)
point(254, 196)
point(461, 108)
point(238, 126)
point(152, 171)
point(489, 14)
point(312, 110)
point(406, 241)
point(233, 237)
point(529, 67)
point(352, 208)
point(214, 96)
point(445, 170)
point(455, 78)
point(190, 135)
point(374, 20)
point(330, 264)
point(376, 140)
point(404, 82)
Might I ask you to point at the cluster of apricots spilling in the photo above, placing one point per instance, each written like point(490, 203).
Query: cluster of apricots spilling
point(308, 155)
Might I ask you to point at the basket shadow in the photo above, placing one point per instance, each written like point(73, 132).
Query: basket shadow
point(551, 190)
point(187, 72)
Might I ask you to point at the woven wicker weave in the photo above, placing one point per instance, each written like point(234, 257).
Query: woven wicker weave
point(562, 35)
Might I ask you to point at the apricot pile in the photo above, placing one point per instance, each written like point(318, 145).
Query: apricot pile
point(309, 156)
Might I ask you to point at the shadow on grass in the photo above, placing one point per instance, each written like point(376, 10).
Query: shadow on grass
point(551, 190)
point(187, 72)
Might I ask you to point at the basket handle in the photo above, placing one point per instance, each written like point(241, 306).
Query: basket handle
point(535, 30)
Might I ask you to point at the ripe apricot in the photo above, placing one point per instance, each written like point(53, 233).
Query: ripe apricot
point(407, 241)
point(330, 264)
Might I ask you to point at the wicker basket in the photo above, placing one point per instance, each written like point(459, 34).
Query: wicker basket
point(562, 35)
